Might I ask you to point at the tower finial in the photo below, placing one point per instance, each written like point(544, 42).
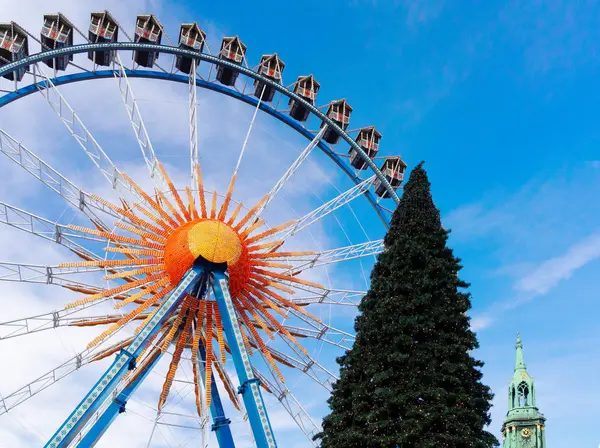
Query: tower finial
point(520, 362)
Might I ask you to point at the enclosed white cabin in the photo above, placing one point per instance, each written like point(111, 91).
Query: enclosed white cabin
point(339, 111)
point(148, 30)
point(57, 32)
point(232, 50)
point(191, 38)
point(307, 87)
point(368, 139)
point(393, 169)
point(103, 29)
point(13, 46)
point(270, 67)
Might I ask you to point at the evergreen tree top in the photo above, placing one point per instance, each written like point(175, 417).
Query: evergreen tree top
point(409, 379)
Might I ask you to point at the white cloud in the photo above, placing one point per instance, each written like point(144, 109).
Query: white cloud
point(481, 322)
point(552, 271)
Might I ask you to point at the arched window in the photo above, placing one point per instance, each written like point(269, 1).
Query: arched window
point(523, 394)
point(512, 396)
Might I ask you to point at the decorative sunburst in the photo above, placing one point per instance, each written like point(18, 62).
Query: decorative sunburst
point(159, 240)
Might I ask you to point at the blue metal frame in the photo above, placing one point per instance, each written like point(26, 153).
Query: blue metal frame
point(75, 49)
point(249, 384)
point(208, 274)
point(117, 406)
point(215, 87)
point(220, 421)
point(124, 361)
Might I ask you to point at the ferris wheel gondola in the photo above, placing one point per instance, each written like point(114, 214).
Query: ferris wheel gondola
point(194, 270)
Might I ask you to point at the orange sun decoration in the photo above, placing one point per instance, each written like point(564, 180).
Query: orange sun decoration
point(159, 242)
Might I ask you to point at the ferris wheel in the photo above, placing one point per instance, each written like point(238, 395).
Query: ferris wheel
point(193, 277)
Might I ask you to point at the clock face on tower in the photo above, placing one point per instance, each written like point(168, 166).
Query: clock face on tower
point(527, 440)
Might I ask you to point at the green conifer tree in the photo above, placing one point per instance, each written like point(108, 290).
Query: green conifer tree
point(410, 380)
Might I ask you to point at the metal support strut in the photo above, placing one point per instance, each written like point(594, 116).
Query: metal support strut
point(250, 390)
point(97, 410)
point(124, 361)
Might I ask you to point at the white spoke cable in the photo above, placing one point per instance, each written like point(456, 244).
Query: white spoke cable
point(325, 209)
point(193, 106)
point(137, 123)
point(82, 136)
point(291, 170)
point(237, 166)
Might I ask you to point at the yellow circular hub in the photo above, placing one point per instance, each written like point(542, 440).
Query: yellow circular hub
point(214, 241)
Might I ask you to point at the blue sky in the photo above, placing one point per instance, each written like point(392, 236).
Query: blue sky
point(499, 101)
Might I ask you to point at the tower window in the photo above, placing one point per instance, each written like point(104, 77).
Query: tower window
point(523, 394)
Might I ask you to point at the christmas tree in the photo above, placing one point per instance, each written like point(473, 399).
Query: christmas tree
point(410, 380)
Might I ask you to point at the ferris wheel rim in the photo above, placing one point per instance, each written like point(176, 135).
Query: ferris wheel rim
point(232, 93)
point(215, 87)
point(177, 51)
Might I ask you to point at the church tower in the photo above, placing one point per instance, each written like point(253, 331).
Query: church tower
point(524, 424)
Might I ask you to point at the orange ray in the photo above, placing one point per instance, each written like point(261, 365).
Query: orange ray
point(272, 264)
point(232, 393)
point(245, 304)
point(150, 201)
point(269, 255)
point(263, 246)
point(191, 203)
point(112, 291)
point(220, 339)
point(286, 302)
point(148, 318)
point(197, 389)
point(286, 277)
point(267, 301)
point(129, 251)
point(114, 349)
point(262, 347)
point(201, 191)
point(144, 270)
point(251, 212)
point(107, 263)
point(213, 205)
point(114, 237)
point(174, 192)
point(209, 352)
point(256, 280)
point(171, 207)
point(181, 343)
point(246, 340)
point(93, 323)
point(166, 226)
point(225, 206)
point(236, 211)
point(177, 322)
point(140, 232)
point(128, 214)
point(269, 232)
point(129, 317)
point(138, 295)
point(252, 228)
point(277, 325)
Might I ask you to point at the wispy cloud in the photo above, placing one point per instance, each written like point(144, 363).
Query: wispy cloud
point(552, 271)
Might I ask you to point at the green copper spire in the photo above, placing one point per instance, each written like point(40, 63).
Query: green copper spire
point(524, 424)
point(520, 364)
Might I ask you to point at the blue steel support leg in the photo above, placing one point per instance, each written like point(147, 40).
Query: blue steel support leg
point(125, 361)
point(117, 406)
point(220, 421)
point(249, 389)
